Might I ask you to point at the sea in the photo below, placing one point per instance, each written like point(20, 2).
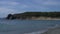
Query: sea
point(26, 26)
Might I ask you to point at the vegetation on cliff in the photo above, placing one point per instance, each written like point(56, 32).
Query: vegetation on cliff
point(29, 15)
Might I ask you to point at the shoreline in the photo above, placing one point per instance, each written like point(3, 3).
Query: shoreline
point(40, 18)
point(43, 18)
point(52, 31)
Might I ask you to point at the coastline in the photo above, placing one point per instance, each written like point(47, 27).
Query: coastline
point(39, 18)
point(44, 18)
point(53, 31)
point(35, 16)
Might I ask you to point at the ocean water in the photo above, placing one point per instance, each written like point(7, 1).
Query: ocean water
point(26, 26)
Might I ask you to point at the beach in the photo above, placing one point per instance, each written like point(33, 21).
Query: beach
point(44, 18)
point(53, 31)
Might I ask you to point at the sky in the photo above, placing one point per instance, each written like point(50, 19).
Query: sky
point(19, 6)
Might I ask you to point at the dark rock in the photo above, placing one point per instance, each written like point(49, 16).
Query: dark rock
point(9, 16)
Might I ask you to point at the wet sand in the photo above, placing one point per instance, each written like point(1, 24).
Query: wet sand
point(53, 31)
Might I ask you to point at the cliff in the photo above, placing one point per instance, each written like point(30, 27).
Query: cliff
point(35, 15)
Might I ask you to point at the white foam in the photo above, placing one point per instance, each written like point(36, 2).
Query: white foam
point(38, 32)
point(56, 26)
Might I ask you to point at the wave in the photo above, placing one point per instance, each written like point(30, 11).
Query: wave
point(25, 27)
point(38, 32)
point(6, 27)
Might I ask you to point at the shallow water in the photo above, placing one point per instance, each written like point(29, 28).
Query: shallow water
point(26, 26)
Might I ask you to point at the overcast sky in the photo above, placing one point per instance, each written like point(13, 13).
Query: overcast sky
point(18, 6)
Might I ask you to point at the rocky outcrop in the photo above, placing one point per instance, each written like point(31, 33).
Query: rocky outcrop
point(10, 16)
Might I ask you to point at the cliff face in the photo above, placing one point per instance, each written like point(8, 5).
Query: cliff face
point(30, 15)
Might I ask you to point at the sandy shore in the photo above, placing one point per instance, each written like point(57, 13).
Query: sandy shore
point(53, 31)
point(44, 18)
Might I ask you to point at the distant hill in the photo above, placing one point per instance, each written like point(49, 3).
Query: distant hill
point(29, 15)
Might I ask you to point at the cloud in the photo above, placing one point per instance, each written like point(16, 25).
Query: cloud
point(46, 5)
point(7, 7)
point(50, 2)
point(17, 6)
point(31, 4)
point(6, 11)
point(8, 3)
point(47, 2)
point(13, 4)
